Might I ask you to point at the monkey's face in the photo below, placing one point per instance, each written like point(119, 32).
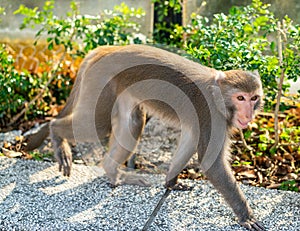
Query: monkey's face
point(245, 104)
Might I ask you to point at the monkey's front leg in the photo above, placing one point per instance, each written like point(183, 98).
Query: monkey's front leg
point(186, 149)
point(220, 175)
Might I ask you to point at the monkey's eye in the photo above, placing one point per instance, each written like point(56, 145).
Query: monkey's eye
point(240, 98)
point(254, 98)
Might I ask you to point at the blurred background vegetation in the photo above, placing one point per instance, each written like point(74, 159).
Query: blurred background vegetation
point(37, 73)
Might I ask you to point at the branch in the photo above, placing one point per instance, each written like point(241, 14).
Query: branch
point(184, 16)
point(279, 94)
point(290, 144)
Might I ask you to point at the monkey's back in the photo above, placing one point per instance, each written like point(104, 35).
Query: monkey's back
point(165, 84)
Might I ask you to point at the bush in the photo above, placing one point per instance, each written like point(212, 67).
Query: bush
point(76, 34)
point(241, 40)
point(84, 32)
point(18, 89)
point(245, 38)
point(166, 30)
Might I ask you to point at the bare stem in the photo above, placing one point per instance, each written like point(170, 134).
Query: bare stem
point(280, 33)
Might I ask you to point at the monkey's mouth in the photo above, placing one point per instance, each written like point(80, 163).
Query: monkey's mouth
point(242, 125)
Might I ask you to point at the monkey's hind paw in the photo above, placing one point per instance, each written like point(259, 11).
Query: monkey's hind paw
point(133, 179)
point(253, 225)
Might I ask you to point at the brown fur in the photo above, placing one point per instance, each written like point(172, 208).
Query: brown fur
point(117, 86)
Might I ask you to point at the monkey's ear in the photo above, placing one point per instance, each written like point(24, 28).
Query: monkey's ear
point(220, 76)
point(256, 73)
point(218, 99)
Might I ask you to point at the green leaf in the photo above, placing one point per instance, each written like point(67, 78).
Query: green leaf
point(273, 150)
point(247, 134)
point(57, 41)
point(273, 46)
point(261, 21)
point(262, 146)
point(50, 46)
point(248, 28)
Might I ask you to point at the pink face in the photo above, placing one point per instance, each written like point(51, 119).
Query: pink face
point(244, 103)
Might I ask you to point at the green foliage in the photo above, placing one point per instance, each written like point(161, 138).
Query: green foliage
point(237, 41)
point(116, 29)
point(165, 31)
point(18, 89)
point(108, 28)
point(290, 185)
point(77, 34)
point(40, 156)
point(291, 53)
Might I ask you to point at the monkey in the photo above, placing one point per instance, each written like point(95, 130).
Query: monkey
point(117, 86)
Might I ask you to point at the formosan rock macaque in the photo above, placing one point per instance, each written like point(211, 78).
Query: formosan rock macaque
point(117, 85)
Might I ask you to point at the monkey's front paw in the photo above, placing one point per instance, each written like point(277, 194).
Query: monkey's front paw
point(180, 187)
point(253, 224)
point(173, 184)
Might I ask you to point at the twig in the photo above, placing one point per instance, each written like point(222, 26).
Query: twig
point(157, 208)
point(290, 144)
point(280, 33)
point(269, 114)
point(183, 4)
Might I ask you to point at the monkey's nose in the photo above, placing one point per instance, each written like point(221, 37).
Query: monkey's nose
point(249, 115)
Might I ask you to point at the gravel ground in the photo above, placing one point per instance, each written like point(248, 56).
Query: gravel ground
point(34, 196)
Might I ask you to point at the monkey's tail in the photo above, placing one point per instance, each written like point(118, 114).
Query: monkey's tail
point(35, 140)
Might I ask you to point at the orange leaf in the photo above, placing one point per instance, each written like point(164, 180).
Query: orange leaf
point(249, 174)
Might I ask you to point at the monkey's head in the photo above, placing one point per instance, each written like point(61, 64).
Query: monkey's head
point(242, 93)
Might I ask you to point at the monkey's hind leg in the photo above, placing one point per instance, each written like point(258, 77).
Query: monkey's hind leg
point(126, 131)
point(60, 132)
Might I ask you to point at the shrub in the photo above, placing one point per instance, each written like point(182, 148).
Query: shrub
point(84, 32)
point(76, 34)
point(241, 40)
point(245, 38)
point(18, 88)
point(167, 28)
